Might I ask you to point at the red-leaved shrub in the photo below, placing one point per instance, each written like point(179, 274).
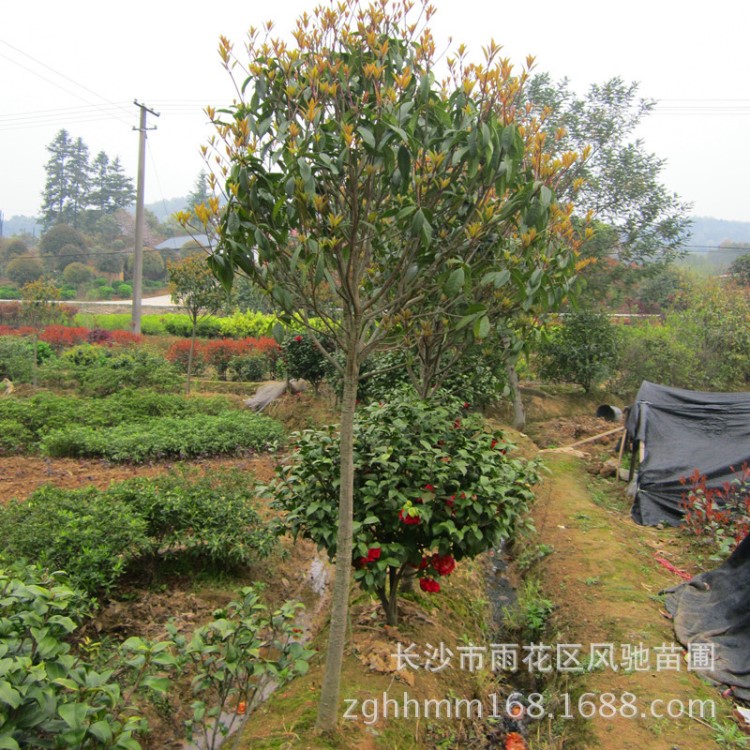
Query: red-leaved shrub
point(179, 353)
point(126, 338)
point(717, 516)
point(60, 337)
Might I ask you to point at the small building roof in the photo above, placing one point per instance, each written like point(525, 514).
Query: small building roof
point(177, 243)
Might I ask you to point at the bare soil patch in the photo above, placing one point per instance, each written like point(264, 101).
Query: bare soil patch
point(21, 475)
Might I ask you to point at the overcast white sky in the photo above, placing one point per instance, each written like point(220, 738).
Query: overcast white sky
point(79, 64)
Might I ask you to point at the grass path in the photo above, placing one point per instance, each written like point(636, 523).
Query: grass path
point(605, 581)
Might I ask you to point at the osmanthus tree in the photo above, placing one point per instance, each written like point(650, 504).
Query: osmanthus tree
point(195, 288)
point(39, 308)
point(347, 169)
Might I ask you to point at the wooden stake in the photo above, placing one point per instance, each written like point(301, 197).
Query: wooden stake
point(587, 440)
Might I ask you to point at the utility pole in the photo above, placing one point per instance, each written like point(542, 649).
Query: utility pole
point(135, 323)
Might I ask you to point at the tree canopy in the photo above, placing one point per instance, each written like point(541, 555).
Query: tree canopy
point(76, 188)
point(361, 191)
point(618, 180)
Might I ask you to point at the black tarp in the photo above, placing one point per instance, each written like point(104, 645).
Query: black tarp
point(714, 608)
point(682, 431)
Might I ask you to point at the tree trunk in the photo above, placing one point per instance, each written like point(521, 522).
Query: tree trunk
point(389, 598)
point(391, 612)
point(191, 354)
point(519, 413)
point(329, 693)
point(391, 615)
point(35, 367)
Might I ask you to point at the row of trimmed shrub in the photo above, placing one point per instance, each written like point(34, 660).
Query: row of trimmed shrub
point(61, 337)
point(237, 326)
point(96, 535)
point(228, 433)
point(249, 358)
point(25, 421)
point(13, 313)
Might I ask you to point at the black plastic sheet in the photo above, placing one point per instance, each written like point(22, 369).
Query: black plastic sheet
point(682, 431)
point(714, 609)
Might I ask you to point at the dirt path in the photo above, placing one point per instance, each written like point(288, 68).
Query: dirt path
point(21, 475)
point(605, 580)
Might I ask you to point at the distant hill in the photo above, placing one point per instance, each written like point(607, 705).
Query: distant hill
point(708, 232)
point(21, 225)
point(18, 225)
point(165, 208)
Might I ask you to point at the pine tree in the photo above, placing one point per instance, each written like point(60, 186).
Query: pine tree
point(200, 194)
point(99, 195)
point(75, 185)
point(120, 188)
point(80, 181)
point(57, 187)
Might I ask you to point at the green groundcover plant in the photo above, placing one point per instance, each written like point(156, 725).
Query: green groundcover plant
point(228, 433)
point(53, 696)
point(48, 696)
point(25, 421)
point(97, 535)
point(433, 486)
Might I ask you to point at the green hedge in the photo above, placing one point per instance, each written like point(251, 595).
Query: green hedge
point(239, 325)
point(83, 532)
point(94, 535)
point(167, 437)
point(24, 421)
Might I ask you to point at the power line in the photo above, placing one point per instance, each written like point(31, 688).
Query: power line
point(62, 75)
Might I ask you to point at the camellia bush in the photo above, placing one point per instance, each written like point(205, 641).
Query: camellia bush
point(50, 697)
point(432, 486)
point(303, 359)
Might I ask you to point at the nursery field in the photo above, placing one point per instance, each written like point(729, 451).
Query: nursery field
point(166, 555)
point(162, 542)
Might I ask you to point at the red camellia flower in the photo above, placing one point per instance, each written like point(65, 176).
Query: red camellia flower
point(373, 554)
point(493, 443)
point(429, 488)
point(298, 338)
point(450, 501)
point(407, 519)
point(430, 585)
point(444, 565)
point(466, 404)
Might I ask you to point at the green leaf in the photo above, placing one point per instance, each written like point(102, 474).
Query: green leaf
point(73, 714)
point(404, 165)
point(496, 278)
point(157, 684)
point(482, 327)
point(9, 695)
point(367, 136)
point(455, 282)
point(418, 221)
point(8, 743)
point(102, 731)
